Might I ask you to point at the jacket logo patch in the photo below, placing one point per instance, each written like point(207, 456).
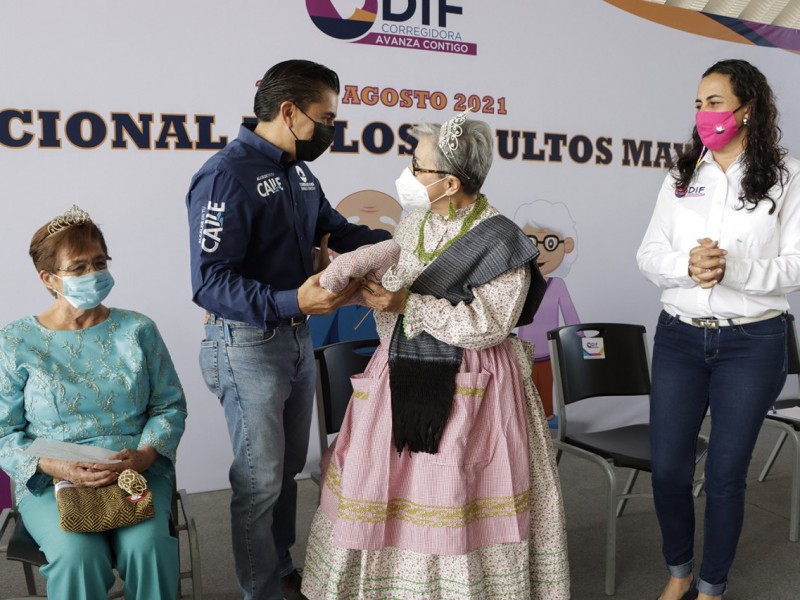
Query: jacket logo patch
point(211, 219)
point(268, 185)
point(305, 184)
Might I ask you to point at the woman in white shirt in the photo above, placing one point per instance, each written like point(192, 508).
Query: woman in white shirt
point(724, 247)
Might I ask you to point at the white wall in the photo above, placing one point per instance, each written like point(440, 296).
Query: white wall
point(581, 67)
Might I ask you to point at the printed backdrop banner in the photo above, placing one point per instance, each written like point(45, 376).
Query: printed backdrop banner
point(114, 107)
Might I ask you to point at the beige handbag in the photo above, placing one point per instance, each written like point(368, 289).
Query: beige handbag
point(91, 510)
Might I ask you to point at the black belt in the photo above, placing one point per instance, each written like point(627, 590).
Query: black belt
point(293, 322)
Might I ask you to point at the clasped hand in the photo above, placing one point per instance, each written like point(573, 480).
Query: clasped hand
point(96, 475)
point(313, 299)
point(707, 263)
point(379, 298)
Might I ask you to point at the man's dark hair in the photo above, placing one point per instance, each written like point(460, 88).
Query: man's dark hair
point(300, 81)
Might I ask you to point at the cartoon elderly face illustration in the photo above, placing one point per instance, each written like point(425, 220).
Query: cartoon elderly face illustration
point(551, 227)
point(372, 208)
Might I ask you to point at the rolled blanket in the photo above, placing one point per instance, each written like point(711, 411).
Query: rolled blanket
point(372, 261)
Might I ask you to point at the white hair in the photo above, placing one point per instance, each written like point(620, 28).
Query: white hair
point(555, 216)
point(470, 160)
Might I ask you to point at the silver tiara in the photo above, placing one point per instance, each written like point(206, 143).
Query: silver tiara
point(74, 216)
point(450, 132)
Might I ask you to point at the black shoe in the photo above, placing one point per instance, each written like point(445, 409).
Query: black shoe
point(290, 586)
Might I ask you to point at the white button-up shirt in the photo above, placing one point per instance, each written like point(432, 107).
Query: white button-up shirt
point(763, 260)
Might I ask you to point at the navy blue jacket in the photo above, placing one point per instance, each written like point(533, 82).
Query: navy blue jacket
point(254, 218)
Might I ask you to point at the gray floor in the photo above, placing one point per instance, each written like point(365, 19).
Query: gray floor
point(767, 565)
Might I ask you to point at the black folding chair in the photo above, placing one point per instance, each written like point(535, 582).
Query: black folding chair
point(23, 548)
point(789, 430)
point(336, 363)
point(593, 360)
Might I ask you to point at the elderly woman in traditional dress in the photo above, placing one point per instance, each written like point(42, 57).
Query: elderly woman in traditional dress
point(442, 482)
point(81, 372)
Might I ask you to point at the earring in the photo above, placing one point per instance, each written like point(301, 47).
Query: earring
point(745, 121)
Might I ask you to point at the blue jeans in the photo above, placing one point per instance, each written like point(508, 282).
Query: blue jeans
point(265, 380)
point(737, 371)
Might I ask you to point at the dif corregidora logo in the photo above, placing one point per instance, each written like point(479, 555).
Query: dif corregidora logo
point(414, 24)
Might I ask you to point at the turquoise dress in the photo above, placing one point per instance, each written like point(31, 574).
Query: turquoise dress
point(111, 385)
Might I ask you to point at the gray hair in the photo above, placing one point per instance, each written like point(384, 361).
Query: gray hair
point(470, 160)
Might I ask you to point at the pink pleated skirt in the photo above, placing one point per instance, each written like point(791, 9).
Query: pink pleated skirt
point(482, 514)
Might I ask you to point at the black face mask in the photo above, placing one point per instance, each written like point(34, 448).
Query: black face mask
point(321, 139)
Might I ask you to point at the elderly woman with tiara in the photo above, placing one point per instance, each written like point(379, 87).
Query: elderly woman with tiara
point(442, 482)
point(84, 373)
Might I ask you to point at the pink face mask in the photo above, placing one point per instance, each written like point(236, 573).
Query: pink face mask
point(716, 129)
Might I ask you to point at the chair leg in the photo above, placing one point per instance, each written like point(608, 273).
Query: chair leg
point(194, 545)
point(775, 451)
point(794, 499)
point(611, 530)
point(30, 582)
point(627, 490)
point(197, 582)
point(698, 486)
point(611, 512)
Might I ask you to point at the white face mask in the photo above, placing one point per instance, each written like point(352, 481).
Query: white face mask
point(412, 194)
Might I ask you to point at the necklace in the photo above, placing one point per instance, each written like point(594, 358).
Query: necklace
point(426, 257)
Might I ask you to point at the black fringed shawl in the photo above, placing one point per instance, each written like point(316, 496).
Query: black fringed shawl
point(422, 370)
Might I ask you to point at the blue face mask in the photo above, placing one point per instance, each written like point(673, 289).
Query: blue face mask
point(87, 291)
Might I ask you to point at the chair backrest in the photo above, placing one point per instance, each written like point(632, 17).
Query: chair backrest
point(337, 363)
point(5, 490)
point(598, 359)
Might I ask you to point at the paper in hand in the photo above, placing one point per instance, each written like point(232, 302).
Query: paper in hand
point(44, 448)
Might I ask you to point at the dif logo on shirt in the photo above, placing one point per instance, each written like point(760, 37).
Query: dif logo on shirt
point(693, 191)
point(413, 24)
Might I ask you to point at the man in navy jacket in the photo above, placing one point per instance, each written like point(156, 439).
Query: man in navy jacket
point(256, 212)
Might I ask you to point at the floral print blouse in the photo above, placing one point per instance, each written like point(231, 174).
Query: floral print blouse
point(111, 385)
